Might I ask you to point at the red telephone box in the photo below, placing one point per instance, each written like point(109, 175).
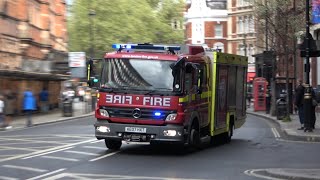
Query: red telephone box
point(259, 93)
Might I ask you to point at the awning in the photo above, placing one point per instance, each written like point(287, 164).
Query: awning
point(250, 76)
point(18, 74)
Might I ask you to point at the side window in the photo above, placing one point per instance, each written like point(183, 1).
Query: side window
point(188, 78)
point(203, 76)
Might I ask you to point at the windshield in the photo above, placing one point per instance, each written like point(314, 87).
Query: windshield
point(140, 74)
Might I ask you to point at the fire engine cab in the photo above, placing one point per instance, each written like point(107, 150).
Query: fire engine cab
point(167, 94)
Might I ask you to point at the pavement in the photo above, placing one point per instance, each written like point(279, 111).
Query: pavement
point(82, 109)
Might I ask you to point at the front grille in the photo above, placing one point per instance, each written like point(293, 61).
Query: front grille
point(145, 113)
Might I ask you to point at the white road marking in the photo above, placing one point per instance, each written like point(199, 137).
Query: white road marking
point(104, 156)
point(95, 147)
point(252, 173)
point(46, 153)
point(47, 174)
point(30, 140)
point(17, 148)
point(275, 133)
point(83, 153)
point(60, 158)
point(73, 136)
point(25, 168)
point(46, 150)
point(96, 141)
point(7, 178)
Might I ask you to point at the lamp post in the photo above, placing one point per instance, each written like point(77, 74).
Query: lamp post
point(307, 102)
point(91, 14)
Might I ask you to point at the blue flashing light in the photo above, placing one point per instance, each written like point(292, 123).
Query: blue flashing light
point(157, 114)
point(146, 46)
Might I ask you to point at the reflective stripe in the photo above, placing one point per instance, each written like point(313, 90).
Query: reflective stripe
point(193, 97)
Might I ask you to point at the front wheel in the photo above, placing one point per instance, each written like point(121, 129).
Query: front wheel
point(113, 144)
point(194, 137)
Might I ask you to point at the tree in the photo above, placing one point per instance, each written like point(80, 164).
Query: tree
point(122, 21)
point(278, 23)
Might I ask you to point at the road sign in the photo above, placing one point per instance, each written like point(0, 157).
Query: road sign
point(77, 59)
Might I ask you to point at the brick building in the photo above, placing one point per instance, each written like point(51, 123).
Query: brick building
point(33, 47)
point(242, 32)
point(206, 23)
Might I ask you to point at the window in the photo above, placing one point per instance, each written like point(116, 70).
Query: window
point(218, 30)
point(246, 24)
point(240, 25)
point(251, 24)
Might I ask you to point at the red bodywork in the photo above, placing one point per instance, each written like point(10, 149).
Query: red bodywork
point(154, 102)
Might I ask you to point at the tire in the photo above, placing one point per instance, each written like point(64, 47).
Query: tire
point(227, 136)
point(113, 144)
point(194, 137)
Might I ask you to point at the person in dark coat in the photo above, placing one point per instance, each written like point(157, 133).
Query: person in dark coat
point(29, 105)
point(313, 110)
point(299, 95)
point(44, 100)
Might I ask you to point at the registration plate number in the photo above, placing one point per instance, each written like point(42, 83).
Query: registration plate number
point(136, 129)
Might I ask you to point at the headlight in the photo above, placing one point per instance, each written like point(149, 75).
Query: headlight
point(169, 132)
point(171, 117)
point(104, 112)
point(103, 129)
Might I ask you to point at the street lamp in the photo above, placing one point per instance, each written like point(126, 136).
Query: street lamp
point(91, 14)
point(307, 103)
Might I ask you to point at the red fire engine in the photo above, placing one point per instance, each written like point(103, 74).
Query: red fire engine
point(168, 94)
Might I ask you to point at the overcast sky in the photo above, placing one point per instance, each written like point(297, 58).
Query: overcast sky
point(69, 1)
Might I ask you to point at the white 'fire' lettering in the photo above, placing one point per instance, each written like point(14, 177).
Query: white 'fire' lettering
point(156, 101)
point(118, 99)
point(166, 102)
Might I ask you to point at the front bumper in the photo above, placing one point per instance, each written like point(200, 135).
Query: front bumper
point(153, 134)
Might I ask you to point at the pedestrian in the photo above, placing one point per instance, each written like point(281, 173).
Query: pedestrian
point(313, 110)
point(29, 105)
point(44, 100)
point(1, 110)
point(9, 101)
point(299, 94)
point(249, 96)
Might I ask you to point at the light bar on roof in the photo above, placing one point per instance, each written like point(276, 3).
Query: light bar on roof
point(145, 46)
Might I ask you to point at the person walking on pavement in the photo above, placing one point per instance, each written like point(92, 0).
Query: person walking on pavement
point(313, 110)
point(9, 109)
point(44, 99)
point(29, 105)
point(299, 95)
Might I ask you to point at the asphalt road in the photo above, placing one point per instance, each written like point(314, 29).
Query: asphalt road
point(69, 150)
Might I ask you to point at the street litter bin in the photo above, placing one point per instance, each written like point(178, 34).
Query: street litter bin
point(281, 109)
point(67, 109)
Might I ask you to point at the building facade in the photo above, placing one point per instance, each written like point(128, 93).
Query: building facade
point(33, 47)
point(242, 32)
point(206, 23)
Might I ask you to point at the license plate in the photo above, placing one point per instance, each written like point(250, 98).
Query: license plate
point(136, 129)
